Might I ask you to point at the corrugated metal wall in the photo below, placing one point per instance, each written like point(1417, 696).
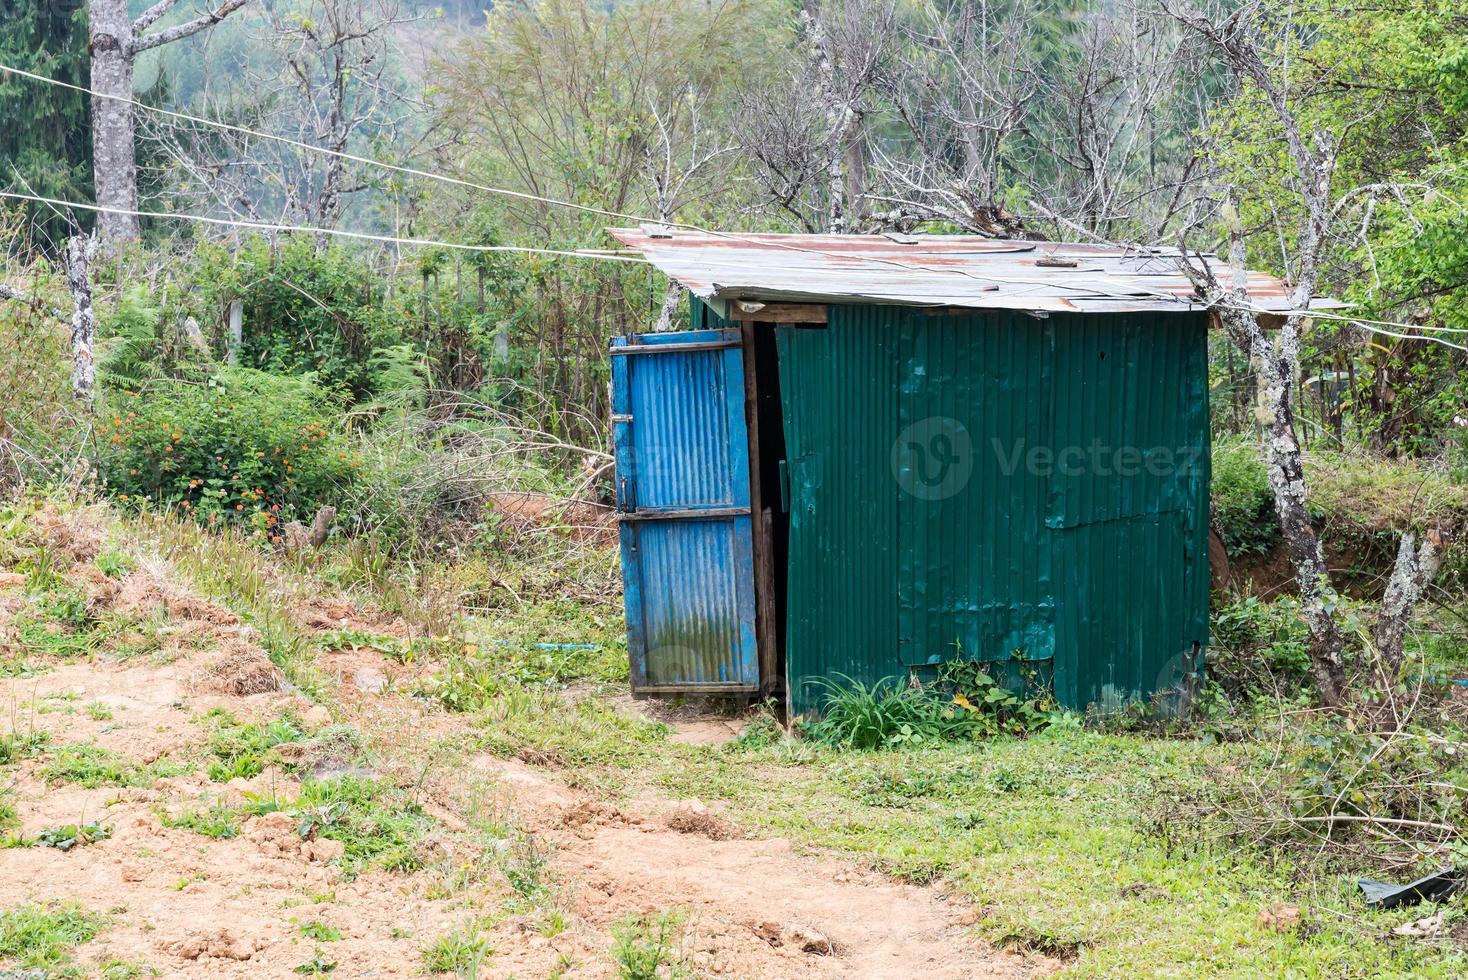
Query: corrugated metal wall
point(997, 486)
point(682, 452)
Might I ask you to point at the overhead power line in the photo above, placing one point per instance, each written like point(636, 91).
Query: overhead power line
point(298, 144)
point(605, 256)
point(1373, 326)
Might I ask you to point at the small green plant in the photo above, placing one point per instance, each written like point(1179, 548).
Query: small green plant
point(883, 715)
point(43, 573)
point(1243, 503)
point(461, 952)
point(242, 750)
point(114, 564)
point(38, 939)
point(218, 822)
point(91, 766)
point(15, 746)
point(376, 826)
point(70, 836)
point(317, 966)
point(125, 970)
point(98, 711)
point(647, 947)
point(321, 932)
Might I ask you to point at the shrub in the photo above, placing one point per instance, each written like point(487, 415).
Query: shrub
point(1243, 503)
point(243, 447)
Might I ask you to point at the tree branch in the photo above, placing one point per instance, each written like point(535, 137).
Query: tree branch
point(188, 29)
point(150, 16)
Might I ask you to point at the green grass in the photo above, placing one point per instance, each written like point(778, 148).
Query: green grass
point(15, 745)
point(218, 822)
point(243, 749)
point(91, 766)
point(377, 824)
point(648, 947)
point(41, 938)
point(461, 952)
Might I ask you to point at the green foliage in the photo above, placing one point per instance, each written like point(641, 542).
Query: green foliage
point(15, 746)
point(218, 822)
point(243, 447)
point(1243, 502)
point(377, 827)
point(241, 750)
point(461, 952)
point(321, 932)
point(40, 938)
point(72, 835)
point(965, 703)
point(136, 347)
point(317, 966)
point(647, 947)
point(91, 766)
point(46, 145)
point(307, 310)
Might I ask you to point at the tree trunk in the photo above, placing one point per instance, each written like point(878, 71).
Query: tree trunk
point(79, 254)
point(114, 164)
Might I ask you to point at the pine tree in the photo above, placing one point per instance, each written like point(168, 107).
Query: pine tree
point(46, 143)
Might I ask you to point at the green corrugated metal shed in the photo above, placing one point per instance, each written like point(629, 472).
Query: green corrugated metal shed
point(967, 448)
point(996, 486)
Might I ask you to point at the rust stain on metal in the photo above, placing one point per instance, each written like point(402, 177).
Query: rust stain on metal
point(935, 270)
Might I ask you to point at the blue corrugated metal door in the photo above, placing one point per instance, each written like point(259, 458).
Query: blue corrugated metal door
point(682, 451)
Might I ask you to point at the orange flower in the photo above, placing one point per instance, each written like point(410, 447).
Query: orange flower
point(239, 506)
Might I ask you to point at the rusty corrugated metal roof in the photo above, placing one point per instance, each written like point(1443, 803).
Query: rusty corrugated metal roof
point(932, 270)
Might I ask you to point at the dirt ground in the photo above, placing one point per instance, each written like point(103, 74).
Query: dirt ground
point(188, 905)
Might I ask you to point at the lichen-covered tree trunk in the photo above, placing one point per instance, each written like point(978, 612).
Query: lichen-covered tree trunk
point(1274, 365)
point(79, 254)
point(114, 163)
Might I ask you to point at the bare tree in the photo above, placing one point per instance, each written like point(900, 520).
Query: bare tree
point(1245, 42)
point(116, 41)
point(329, 81)
point(807, 132)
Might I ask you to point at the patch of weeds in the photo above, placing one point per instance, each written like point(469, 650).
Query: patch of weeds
point(218, 822)
point(477, 674)
point(762, 732)
point(461, 952)
point(9, 816)
point(114, 564)
point(965, 702)
point(43, 571)
point(98, 711)
point(91, 766)
point(41, 937)
point(377, 828)
point(125, 970)
point(70, 836)
point(544, 727)
point(241, 750)
point(321, 932)
point(886, 789)
point(317, 966)
point(350, 639)
point(524, 865)
point(648, 947)
point(15, 746)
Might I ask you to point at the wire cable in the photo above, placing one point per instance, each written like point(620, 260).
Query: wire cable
point(310, 230)
point(1374, 326)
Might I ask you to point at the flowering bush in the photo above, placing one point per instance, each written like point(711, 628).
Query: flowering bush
point(244, 447)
